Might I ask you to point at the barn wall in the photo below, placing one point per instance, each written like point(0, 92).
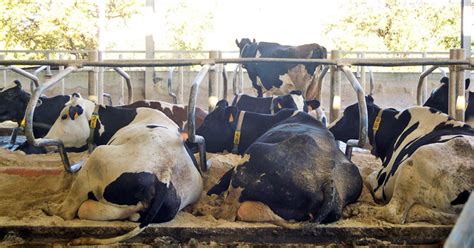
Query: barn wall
point(391, 89)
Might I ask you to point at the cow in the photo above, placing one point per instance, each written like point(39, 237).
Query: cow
point(271, 105)
point(177, 113)
point(144, 173)
point(279, 78)
point(13, 102)
point(222, 131)
point(427, 158)
point(293, 172)
point(439, 100)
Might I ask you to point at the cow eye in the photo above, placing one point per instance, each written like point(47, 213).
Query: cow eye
point(64, 117)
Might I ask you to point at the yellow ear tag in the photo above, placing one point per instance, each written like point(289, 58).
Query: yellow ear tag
point(231, 118)
point(76, 115)
point(22, 123)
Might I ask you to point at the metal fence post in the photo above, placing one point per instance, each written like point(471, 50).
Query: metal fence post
point(452, 85)
point(213, 81)
point(2, 57)
point(335, 89)
point(61, 68)
point(149, 71)
point(363, 76)
point(93, 75)
point(425, 80)
point(460, 87)
point(180, 90)
point(100, 81)
point(122, 82)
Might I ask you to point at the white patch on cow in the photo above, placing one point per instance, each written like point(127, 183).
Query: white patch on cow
point(319, 115)
point(73, 133)
point(258, 54)
point(299, 101)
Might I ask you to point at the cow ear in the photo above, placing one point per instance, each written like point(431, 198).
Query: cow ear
point(222, 104)
point(231, 114)
point(296, 92)
point(75, 111)
point(18, 83)
point(369, 99)
point(237, 43)
point(467, 82)
point(312, 104)
point(444, 80)
point(253, 40)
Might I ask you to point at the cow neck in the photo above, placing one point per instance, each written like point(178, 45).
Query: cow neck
point(272, 105)
point(237, 131)
point(389, 128)
point(255, 125)
point(112, 119)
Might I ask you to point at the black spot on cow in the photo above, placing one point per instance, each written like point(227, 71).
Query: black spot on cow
point(153, 126)
point(75, 111)
point(130, 188)
point(461, 198)
point(64, 117)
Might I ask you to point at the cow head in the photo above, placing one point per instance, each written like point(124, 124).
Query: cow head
point(243, 42)
point(294, 100)
point(72, 125)
point(315, 110)
point(13, 102)
point(218, 127)
point(347, 126)
point(439, 96)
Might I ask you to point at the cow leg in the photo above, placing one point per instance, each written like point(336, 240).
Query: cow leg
point(231, 204)
point(419, 213)
point(76, 196)
point(252, 211)
point(94, 210)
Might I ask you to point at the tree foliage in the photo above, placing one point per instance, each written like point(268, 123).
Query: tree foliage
point(188, 26)
point(396, 25)
point(56, 24)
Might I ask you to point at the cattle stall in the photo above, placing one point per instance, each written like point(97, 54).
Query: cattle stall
point(201, 228)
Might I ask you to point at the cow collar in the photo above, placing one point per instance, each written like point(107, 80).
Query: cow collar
point(376, 127)
point(235, 149)
point(92, 126)
point(272, 106)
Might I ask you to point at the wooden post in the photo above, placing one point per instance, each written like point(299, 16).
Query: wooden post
point(425, 80)
point(460, 87)
point(180, 91)
point(452, 85)
point(335, 89)
point(2, 57)
point(93, 75)
point(59, 70)
point(100, 81)
point(213, 81)
point(149, 71)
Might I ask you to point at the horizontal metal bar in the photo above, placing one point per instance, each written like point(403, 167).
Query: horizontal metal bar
point(189, 62)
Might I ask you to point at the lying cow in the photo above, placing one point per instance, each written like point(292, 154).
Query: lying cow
point(294, 171)
point(428, 161)
point(13, 102)
point(271, 105)
point(177, 113)
point(279, 78)
point(222, 131)
point(439, 100)
point(143, 174)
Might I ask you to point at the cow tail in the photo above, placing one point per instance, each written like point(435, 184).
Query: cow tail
point(161, 189)
point(328, 211)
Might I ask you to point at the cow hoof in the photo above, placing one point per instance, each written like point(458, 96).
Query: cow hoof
point(50, 209)
point(134, 217)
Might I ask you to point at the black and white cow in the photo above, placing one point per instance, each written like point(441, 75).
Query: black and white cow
point(220, 126)
point(270, 105)
point(143, 173)
point(439, 100)
point(294, 171)
point(279, 78)
point(428, 161)
point(13, 102)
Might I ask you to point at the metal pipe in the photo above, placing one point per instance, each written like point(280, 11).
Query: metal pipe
point(36, 72)
point(129, 84)
point(452, 85)
point(24, 73)
point(225, 84)
point(30, 109)
point(386, 62)
point(460, 101)
point(461, 234)
point(335, 89)
point(170, 81)
point(234, 79)
point(108, 97)
point(315, 91)
point(192, 137)
point(363, 117)
point(371, 81)
point(419, 89)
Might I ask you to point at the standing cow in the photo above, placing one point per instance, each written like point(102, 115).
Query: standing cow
point(279, 78)
point(428, 161)
point(439, 100)
point(144, 174)
point(294, 171)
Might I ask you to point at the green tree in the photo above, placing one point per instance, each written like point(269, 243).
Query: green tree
point(188, 26)
point(396, 25)
point(56, 24)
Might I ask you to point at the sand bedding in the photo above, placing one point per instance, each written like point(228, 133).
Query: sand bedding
point(23, 198)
